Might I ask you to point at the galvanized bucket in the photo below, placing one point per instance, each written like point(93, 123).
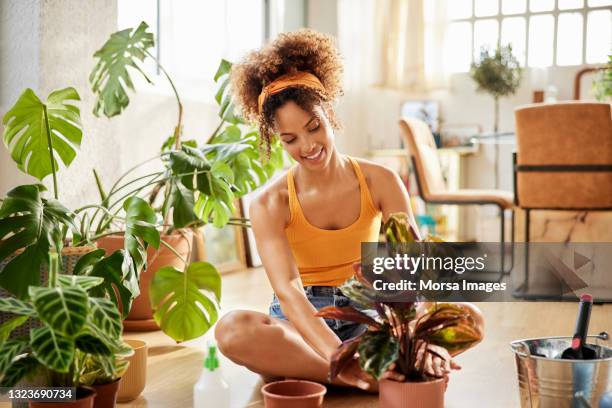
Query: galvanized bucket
point(547, 381)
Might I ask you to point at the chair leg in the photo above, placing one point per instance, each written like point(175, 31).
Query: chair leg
point(502, 240)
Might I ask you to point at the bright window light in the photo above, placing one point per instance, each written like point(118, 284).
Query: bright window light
point(541, 5)
point(600, 3)
point(541, 40)
point(599, 36)
point(513, 32)
point(569, 39)
point(486, 8)
point(485, 36)
point(570, 4)
point(513, 6)
point(459, 9)
point(457, 51)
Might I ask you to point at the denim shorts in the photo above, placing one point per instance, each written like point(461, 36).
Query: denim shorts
point(321, 296)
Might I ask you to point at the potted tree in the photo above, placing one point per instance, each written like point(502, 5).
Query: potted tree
point(76, 328)
point(402, 335)
point(198, 184)
point(499, 74)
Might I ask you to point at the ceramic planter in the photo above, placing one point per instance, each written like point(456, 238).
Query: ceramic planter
point(293, 394)
point(134, 379)
point(85, 399)
point(140, 317)
point(106, 394)
point(395, 394)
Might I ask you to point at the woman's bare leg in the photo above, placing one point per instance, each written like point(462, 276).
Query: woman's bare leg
point(268, 346)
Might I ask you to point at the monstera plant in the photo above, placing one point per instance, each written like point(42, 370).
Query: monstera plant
point(198, 183)
point(39, 135)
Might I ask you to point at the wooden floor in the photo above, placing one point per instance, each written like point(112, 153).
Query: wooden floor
point(486, 380)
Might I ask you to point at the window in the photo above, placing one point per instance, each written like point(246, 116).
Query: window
point(542, 32)
point(192, 36)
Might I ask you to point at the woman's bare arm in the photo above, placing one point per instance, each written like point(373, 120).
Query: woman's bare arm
point(268, 223)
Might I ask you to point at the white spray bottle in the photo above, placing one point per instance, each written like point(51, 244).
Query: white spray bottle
point(211, 390)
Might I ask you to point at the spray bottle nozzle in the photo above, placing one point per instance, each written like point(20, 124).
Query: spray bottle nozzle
point(211, 362)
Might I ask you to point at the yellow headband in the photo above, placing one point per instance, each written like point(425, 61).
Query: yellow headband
point(283, 82)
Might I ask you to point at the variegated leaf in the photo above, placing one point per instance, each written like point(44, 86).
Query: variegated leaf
point(52, 349)
point(16, 306)
point(8, 351)
point(63, 309)
point(84, 282)
point(105, 315)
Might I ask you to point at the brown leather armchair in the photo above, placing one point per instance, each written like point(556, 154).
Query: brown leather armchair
point(431, 186)
point(563, 162)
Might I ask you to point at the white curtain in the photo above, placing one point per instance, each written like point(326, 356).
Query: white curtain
point(410, 37)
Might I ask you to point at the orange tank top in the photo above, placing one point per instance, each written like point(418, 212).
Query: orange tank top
point(326, 257)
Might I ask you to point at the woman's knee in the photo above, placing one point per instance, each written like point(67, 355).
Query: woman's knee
point(234, 331)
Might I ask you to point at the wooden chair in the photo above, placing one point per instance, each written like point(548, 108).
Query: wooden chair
point(563, 162)
point(431, 186)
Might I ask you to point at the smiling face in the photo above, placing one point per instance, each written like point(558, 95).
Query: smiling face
point(307, 136)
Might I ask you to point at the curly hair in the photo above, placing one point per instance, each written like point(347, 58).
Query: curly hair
point(302, 50)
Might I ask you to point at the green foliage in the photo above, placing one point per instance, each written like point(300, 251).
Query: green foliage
point(498, 73)
point(33, 129)
point(399, 334)
point(182, 309)
point(110, 76)
point(76, 326)
point(603, 85)
point(30, 227)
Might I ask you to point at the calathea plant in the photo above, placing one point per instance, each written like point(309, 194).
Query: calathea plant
point(77, 328)
point(398, 335)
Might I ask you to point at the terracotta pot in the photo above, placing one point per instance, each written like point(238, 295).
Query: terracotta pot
point(134, 379)
point(106, 394)
point(395, 394)
point(140, 317)
point(293, 394)
point(85, 399)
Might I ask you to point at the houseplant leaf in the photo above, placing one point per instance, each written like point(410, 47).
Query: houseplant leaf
point(177, 300)
point(115, 286)
point(33, 129)
point(63, 309)
point(105, 315)
point(377, 351)
point(110, 77)
point(18, 370)
point(343, 355)
point(181, 201)
point(34, 225)
point(16, 306)
point(84, 282)
point(140, 231)
point(8, 351)
point(8, 326)
point(347, 313)
point(52, 349)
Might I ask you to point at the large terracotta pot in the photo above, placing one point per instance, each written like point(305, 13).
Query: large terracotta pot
point(395, 394)
point(106, 394)
point(85, 399)
point(140, 317)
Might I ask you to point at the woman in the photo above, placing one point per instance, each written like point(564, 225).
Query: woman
point(308, 225)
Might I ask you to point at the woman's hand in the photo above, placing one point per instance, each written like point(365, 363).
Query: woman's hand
point(353, 375)
point(436, 365)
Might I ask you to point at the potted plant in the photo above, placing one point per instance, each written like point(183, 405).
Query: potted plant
point(39, 135)
point(198, 184)
point(76, 329)
point(498, 73)
point(402, 335)
point(603, 84)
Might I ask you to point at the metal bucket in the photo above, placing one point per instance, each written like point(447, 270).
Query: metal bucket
point(547, 381)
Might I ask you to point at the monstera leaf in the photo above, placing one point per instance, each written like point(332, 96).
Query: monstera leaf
point(38, 133)
point(223, 95)
point(182, 310)
point(110, 76)
point(29, 226)
point(140, 231)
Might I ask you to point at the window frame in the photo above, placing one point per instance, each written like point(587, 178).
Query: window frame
point(527, 14)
